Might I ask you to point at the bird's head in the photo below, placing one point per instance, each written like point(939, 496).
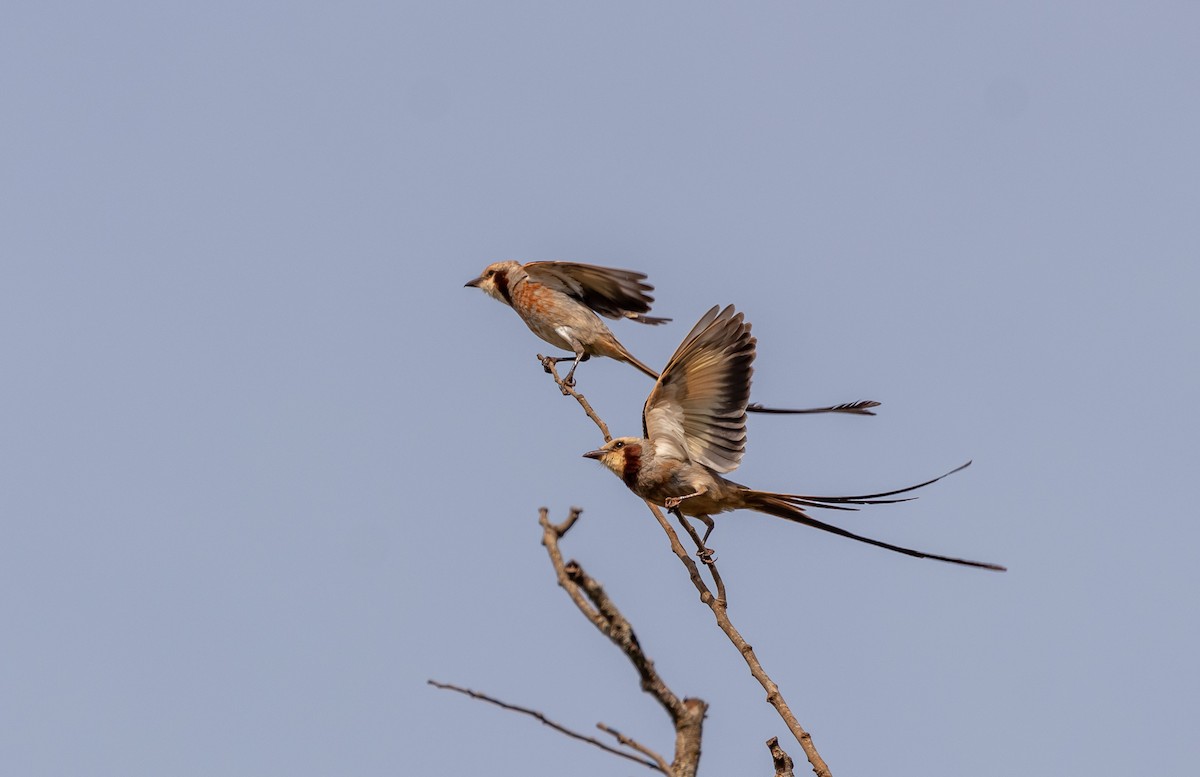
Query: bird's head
point(497, 279)
point(622, 455)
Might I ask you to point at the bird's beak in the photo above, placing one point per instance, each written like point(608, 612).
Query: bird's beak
point(596, 454)
point(474, 282)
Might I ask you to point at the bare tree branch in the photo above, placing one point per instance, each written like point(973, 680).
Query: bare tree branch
point(557, 727)
point(718, 605)
point(720, 613)
point(589, 596)
point(687, 715)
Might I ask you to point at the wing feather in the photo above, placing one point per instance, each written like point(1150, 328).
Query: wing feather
point(610, 292)
point(697, 410)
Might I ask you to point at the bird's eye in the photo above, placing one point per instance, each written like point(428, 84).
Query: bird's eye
point(618, 444)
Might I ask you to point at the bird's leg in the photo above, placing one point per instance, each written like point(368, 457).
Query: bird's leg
point(580, 356)
point(706, 553)
point(672, 504)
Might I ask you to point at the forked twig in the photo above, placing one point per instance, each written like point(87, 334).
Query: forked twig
point(687, 715)
point(546, 721)
point(633, 744)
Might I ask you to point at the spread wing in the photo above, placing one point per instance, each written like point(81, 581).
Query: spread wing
point(697, 410)
point(611, 293)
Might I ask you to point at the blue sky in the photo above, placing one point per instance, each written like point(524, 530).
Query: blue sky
point(267, 466)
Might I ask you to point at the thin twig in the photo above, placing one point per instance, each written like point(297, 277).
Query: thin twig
point(557, 727)
point(633, 744)
point(551, 367)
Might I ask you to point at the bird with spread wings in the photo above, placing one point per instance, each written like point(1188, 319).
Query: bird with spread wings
point(694, 432)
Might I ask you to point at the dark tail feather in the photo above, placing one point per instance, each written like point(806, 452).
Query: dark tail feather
point(772, 504)
point(835, 502)
point(862, 407)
